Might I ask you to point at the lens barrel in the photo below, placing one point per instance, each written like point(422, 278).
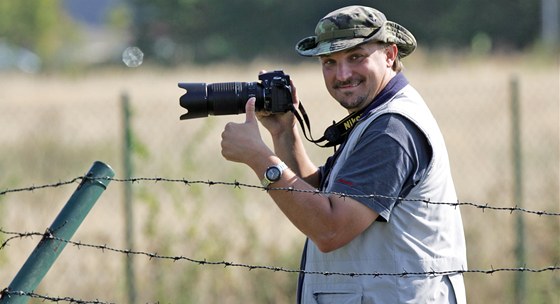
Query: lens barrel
point(223, 98)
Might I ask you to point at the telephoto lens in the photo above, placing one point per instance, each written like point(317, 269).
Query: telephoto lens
point(224, 98)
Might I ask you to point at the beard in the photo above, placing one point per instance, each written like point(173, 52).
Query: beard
point(350, 100)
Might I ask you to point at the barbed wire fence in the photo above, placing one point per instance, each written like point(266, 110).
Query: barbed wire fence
point(11, 236)
point(236, 184)
point(59, 134)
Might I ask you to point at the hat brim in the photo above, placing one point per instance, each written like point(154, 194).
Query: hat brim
point(390, 33)
point(308, 47)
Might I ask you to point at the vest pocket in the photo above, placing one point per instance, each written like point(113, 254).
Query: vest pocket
point(338, 294)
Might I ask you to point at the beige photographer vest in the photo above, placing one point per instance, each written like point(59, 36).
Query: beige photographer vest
point(418, 238)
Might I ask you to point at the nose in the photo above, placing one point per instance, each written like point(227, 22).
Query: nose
point(343, 71)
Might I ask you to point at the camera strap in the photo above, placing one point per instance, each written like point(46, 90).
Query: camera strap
point(333, 135)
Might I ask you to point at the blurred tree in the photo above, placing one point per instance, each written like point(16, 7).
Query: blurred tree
point(176, 31)
point(201, 31)
point(40, 26)
point(442, 23)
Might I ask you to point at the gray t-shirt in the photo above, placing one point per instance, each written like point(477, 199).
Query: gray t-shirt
point(390, 158)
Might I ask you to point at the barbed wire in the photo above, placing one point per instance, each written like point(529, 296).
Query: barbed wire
point(236, 184)
point(17, 235)
point(33, 187)
point(49, 236)
point(9, 293)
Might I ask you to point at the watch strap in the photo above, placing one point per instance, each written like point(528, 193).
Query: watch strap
point(281, 167)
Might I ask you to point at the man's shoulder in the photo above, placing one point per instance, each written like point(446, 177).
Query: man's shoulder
point(391, 124)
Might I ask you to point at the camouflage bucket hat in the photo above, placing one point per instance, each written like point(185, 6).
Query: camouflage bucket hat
point(353, 25)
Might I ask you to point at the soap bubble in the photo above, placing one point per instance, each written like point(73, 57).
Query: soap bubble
point(132, 57)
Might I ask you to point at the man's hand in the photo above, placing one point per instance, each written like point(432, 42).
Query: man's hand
point(279, 123)
point(242, 142)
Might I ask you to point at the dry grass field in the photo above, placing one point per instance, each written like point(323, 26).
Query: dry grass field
point(54, 126)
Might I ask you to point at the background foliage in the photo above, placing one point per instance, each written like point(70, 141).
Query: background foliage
point(41, 26)
point(209, 29)
point(199, 31)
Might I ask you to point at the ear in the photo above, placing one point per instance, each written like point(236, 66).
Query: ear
point(392, 52)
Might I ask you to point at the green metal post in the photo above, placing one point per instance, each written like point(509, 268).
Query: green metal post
point(63, 228)
point(520, 279)
point(128, 214)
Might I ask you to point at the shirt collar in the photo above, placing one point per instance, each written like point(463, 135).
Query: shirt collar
point(394, 85)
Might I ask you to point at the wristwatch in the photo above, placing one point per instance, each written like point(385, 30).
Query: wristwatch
point(273, 174)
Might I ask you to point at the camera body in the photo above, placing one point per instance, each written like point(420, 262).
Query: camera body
point(273, 94)
point(277, 95)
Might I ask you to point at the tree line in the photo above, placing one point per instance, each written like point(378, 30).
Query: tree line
point(201, 31)
point(208, 30)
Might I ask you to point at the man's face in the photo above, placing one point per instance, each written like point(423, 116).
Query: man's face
point(354, 77)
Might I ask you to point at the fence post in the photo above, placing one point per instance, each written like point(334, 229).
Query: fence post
point(520, 279)
point(61, 230)
point(128, 214)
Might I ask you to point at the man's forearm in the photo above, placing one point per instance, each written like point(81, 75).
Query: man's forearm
point(289, 147)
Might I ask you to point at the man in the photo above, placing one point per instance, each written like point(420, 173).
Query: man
point(395, 152)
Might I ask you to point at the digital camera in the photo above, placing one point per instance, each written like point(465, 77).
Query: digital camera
point(273, 94)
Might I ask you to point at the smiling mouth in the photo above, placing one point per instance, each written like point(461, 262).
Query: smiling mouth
point(347, 84)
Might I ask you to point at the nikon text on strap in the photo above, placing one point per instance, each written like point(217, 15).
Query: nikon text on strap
point(334, 135)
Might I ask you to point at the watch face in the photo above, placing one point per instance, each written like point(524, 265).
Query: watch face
point(273, 174)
